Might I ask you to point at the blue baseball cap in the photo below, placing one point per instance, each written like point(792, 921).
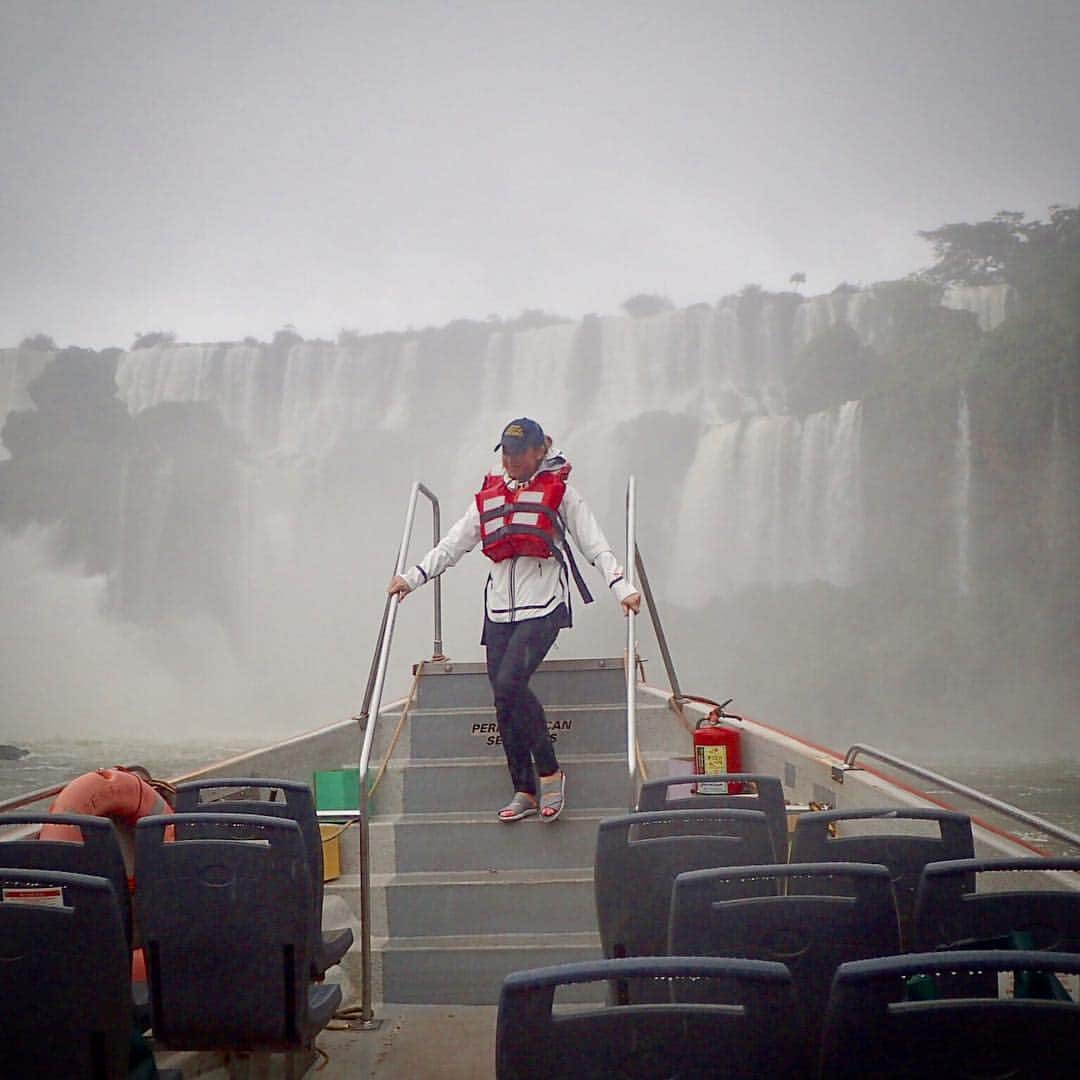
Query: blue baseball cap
point(520, 434)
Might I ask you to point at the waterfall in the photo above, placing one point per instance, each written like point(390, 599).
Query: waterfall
point(776, 498)
point(277, 526)
point(771, 500)
point(18, 368)
point(961, 498)
point(1060, 504)
point(991, 304)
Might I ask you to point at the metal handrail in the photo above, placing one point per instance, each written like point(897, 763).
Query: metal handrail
point(370, 715)
point(631, 649)
point(1007, 809)
point(28, 798)
point(638, 565)
point(658, 630)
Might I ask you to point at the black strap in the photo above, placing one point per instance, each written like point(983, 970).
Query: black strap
point(553, 548)
point(579, 581)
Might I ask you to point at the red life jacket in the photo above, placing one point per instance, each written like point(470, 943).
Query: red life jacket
point(525, 521)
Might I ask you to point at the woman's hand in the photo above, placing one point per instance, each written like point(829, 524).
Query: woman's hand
point(632, 604)
point(398, 587)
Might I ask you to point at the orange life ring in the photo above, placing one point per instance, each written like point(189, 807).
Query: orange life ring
point(122, 796)
point(118, 794)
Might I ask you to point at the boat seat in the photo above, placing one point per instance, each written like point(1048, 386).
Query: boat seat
point(90, 846)
point(227, 933)
point(874, 836)
point(949, 912)
point(65, 977)
point(744, 1036)
point(767, 795)
point(638, 857)
point(297, 804)
point(876, 1026)
point(812, 930)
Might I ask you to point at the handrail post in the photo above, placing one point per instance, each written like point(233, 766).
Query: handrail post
point(658, 630)
point(436, 530)
point(631, 674)
point(370, 715)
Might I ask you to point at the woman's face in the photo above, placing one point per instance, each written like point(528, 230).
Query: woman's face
point(521, 464)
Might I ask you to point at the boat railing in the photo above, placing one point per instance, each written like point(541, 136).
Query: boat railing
point(654, 615)
point(631, 649)
point(637, 565)
point(369, 718)
point(28, 798)
point(955, 787)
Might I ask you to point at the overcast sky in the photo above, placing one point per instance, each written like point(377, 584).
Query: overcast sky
point(223, 168)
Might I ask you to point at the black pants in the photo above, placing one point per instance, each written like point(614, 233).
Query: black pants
point(514, 652)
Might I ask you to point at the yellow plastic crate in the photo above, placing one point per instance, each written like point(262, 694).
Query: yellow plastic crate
point(331, 850)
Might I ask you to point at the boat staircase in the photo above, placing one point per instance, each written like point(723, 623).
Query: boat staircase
point(458, 899)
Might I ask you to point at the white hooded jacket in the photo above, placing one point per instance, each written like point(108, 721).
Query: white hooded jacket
point(524, 587)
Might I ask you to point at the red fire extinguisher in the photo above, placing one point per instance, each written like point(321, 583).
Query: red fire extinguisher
point(716, 750)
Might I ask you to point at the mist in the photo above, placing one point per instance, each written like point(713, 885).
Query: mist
point(847, 544)
point(266, 265)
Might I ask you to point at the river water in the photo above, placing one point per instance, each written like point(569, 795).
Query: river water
point(1050, 790)
point(53, 761)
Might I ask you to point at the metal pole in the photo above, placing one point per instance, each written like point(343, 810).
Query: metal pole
point(631, 650)
point(436, 529)
point(654, 615)
point(957, 788)
point(366, 1007)
point(367, 1010)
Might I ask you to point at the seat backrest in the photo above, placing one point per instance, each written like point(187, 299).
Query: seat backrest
point(755, 792)
point(638, 857)
point(874, 1028)
point(227, 931)
point(950, 913)
point(877, 836)
point(289, 799)
point(744, 1036)
point(841, 912)
point(65, 976)
point(98, 853)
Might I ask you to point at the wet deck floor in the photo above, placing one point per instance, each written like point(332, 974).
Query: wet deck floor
point(455, 1042)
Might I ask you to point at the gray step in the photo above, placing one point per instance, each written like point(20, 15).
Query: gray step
point(469, 970)
point(482, 785)
point(451, 685)
point(470, 841)
point(476, 902)
point(459, 899)
point(473, 732)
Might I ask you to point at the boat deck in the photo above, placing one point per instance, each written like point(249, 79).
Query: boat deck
point(452, 1042)
point(459, 899)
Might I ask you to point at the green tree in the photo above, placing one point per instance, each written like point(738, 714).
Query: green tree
point(153, 338)
point(834, 367)
point(287, 337)
point(641, 305)
point(975, 254)
point(1038, 258)
point(38, 343)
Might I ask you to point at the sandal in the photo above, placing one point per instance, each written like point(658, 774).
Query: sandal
point(552, 794)
point(522, 805)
